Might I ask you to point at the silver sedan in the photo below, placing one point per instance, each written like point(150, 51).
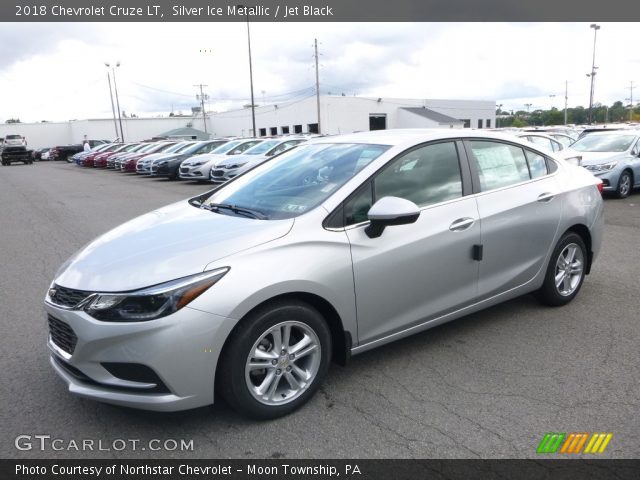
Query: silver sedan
point(331, 249)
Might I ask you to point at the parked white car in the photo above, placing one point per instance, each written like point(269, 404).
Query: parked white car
point(198, 168)
point(230, 167)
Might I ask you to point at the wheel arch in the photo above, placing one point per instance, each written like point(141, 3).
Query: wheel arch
point(340, 338)
point(582, 230)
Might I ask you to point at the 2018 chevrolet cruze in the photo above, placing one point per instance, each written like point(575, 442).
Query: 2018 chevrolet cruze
point(331, 249)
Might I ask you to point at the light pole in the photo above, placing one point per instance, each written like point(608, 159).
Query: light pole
point(253, 107)
point(113, 108)
point(551, 97)
point(593, 69)
point(115, 86)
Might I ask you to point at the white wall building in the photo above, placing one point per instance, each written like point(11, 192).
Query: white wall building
point(338, 115)
point(352, 114)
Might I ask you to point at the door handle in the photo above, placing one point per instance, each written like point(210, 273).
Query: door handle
point(461, 224)
point(546, 197)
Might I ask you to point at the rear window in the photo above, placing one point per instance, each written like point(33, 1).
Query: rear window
point(14, 137)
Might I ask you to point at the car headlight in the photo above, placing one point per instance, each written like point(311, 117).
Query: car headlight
point(152, 302)
point(163, 162)
point(603, 167)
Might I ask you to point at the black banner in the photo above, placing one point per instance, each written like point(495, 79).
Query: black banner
point(317, 11)
point(319, 469)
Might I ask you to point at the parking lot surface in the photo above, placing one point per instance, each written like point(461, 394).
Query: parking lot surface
point(489, 385)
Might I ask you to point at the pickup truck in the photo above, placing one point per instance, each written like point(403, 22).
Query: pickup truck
point(65, 152)
point(14, 149)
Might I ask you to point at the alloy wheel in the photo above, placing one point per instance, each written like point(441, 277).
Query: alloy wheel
point(283, 363)
point(569, 269)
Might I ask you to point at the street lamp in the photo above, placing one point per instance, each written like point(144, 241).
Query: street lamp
point(253, 107)
point(113, 108)
point(115, 86)
point(592, 75)
point(551, 100)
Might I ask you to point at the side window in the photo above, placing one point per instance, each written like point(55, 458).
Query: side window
point(543, 142)
point(357, 207)
point(537, 164)
point(499, 164)
point(426, 175)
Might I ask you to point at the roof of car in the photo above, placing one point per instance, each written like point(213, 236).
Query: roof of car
point(401, 136)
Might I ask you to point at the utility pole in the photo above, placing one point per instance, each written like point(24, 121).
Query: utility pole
point(253, 103)
point(593, 69)
point(631, 102)
point(202, 97)
point(315, 44)
point(566, 99)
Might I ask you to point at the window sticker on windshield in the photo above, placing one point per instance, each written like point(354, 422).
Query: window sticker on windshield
point(328, 187)
point(294, 208)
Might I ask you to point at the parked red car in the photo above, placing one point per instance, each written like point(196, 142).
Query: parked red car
point(129, 165)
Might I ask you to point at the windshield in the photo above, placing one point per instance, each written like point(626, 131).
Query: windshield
point(262, 147)
point(177, 147)
point(224, 148)
point(164, 147)
point(134, 148)
point(148, 148)
point(604, 143)
point(297, 181)
point(193, 148)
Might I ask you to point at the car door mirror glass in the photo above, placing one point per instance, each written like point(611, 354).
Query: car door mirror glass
point(390, 211)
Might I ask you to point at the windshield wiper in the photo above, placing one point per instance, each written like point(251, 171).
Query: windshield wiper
point(248, 212)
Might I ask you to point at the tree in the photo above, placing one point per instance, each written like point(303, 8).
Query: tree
point(13, 120)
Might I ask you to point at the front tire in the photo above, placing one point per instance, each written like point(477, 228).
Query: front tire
point(275, 360)
point(625, 184)
point(566, 271)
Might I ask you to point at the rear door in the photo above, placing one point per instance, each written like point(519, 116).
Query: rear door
point(520, 208)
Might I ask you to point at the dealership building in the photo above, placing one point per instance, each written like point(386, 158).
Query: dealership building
point(338, 115)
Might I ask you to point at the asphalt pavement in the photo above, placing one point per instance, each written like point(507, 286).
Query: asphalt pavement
point(486, 386)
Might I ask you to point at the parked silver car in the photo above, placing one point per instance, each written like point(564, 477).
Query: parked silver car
point(336, 247)
point(613, 157)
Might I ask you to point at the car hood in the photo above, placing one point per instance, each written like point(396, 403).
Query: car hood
point(168, 156)
point(236, 159)
point(169, 243)
point(593, 158)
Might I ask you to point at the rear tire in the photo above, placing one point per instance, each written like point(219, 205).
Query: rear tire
point(565, 272)
point(274, 360)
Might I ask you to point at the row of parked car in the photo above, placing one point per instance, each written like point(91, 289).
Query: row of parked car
point(610, 153)
point(216, 161)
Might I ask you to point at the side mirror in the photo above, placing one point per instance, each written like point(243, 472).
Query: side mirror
point(390, 211)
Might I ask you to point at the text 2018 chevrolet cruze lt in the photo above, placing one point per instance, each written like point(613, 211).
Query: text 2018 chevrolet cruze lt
point(331, 249)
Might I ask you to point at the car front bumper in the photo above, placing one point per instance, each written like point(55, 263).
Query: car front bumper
point(198, 172)
point(181, 349)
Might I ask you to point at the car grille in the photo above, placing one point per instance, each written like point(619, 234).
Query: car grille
point(62, 335)
point(184, 170)
point(217, 173)
point(66, 297)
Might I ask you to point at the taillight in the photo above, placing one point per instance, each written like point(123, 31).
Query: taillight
point(600, 186)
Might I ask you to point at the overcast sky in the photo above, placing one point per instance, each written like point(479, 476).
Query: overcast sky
point(55, 71)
